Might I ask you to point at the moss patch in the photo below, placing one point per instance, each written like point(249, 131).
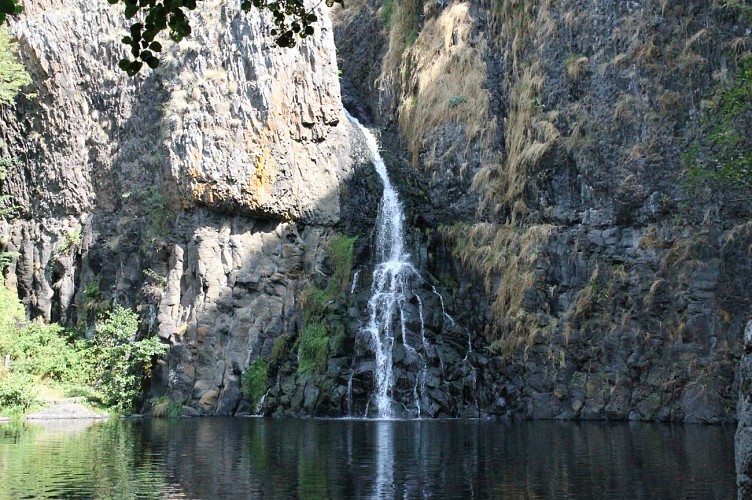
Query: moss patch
point(255, 380)
point(313, 348)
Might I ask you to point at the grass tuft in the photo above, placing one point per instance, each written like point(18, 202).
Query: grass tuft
point(313, 348)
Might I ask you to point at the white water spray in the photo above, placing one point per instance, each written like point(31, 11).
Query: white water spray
point(392, 280)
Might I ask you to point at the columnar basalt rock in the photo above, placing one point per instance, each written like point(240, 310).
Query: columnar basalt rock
point(200, 193)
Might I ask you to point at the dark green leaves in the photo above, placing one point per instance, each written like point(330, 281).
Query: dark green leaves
point(290, 18)
point(9, 7)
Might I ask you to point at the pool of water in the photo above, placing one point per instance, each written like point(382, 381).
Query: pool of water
point(308, 459)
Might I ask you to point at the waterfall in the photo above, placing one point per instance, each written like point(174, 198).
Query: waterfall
point(393, 278)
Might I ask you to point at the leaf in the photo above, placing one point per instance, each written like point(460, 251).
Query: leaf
point(130, 11)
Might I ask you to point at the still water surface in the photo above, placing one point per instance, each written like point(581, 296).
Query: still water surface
point(309, 459)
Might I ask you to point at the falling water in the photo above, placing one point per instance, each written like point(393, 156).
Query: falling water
point(392, 281)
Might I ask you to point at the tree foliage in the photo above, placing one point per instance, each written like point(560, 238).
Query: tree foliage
point(291, 20)
point(110, 369)
point(13, 74)
point(122, 363)
point(9, 8)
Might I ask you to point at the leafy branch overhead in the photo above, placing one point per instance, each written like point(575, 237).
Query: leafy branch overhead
point(291, 21)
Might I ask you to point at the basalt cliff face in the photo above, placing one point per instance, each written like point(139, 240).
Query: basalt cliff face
point(203, 194)
point(537, 149)
point(541, 162)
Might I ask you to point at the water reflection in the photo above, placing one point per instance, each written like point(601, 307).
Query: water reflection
point(234, 458)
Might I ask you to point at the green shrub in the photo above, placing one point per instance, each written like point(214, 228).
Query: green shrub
point(70, 239)
point(113, 363)
point(313, 348)
point(94, 300)
point(722, 157)
point(341, 262)
point(121, 362)
point(11, 314)
point(255, 380)
point(164, 407)
point(279, 347)
point(387, 9)
point(16, 392)
point(44, 351)
point(313, 302)
point(13, 74)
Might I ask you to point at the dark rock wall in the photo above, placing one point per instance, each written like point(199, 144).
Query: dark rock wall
point(544, 183)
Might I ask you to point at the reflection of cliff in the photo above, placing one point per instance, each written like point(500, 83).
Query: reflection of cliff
point(457, 459)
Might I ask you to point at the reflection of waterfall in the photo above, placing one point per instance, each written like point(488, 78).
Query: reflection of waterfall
point(393, 279)
point(384, 480)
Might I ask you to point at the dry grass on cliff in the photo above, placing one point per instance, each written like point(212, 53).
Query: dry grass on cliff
point(529, 133)
point(439, 75)
point(594, 302)
point(505, 258)
point(530, 137)
point(449, 77)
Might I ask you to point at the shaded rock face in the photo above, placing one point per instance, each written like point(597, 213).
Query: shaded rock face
point(743, 439)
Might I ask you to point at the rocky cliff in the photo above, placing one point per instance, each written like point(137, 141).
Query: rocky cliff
point(567, 271)
point(541, 154)
point(203, 194)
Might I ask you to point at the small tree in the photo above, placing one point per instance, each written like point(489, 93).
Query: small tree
point(13, 74)
point(122, 363)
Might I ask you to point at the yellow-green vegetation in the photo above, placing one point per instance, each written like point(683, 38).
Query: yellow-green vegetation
point(341, 262)
point(94, 300)
point(313, 300)
point(313, 348)
point(255, 380)
point(71, 239)
point(504, 257)
point(387, 9)
point(48, 359)
point(313, 342)
point(279, 347)
point(13, 74)
point(164, 407)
